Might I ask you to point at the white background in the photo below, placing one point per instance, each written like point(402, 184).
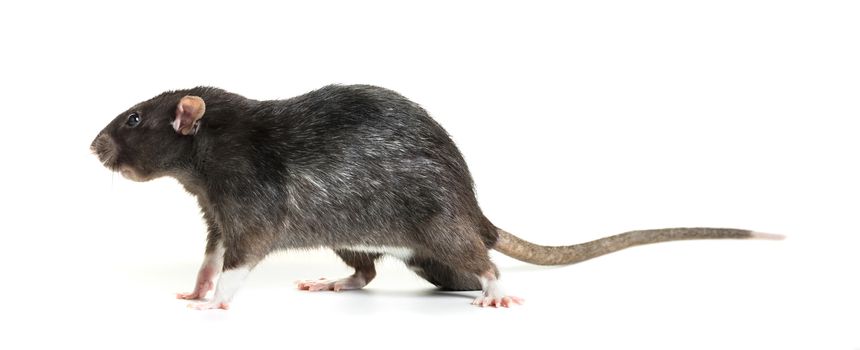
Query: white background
point(578, 120)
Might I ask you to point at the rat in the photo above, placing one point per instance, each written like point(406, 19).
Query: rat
point(358, 169)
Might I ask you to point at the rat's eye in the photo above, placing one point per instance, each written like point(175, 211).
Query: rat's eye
point(133, 120)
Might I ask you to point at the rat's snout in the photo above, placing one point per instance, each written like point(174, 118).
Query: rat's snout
point(106, 149)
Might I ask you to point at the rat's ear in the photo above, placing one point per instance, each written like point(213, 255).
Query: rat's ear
point(188, 112)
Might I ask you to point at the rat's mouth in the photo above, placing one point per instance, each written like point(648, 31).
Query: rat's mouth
point(130, 174)
point(106, 149)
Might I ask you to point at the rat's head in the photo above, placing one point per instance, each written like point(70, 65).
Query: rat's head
point(153, 138)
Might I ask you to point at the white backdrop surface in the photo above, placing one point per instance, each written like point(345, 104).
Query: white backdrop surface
point(578, 120)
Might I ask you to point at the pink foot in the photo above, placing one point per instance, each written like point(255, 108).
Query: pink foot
point(199, 292)
point(207, 305)
point(322, 284)
point(504, 301)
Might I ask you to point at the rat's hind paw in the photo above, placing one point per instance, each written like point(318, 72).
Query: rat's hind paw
point(505, 301)
point(322, 284)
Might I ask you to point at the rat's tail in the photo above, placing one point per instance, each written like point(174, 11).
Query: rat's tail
point(520, 249)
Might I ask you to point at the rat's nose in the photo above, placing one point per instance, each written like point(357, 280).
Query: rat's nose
point(96, 142)
point(105, 148)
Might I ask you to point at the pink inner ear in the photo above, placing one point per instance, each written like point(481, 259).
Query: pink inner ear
point(189, 110)
point(177, 122)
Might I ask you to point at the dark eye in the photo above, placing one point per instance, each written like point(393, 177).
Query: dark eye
point(133, 120)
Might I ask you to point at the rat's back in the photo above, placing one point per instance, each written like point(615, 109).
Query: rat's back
point(353, 165)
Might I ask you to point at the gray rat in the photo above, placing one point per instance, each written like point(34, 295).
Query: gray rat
point(358, 169)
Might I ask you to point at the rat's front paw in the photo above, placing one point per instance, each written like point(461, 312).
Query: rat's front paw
point(190, 296)
point(207, 305)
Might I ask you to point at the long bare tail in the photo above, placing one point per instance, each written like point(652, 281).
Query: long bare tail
point(520, 249)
